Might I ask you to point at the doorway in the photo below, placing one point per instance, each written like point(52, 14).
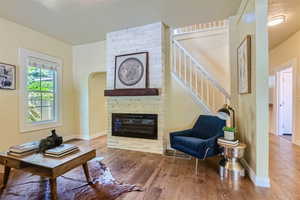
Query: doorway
point(284, 112)
point(97, 108)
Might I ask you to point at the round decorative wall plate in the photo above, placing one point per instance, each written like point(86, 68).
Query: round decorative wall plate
point(131, 71)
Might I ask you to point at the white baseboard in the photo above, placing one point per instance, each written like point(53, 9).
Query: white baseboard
point(97, 135)
point(83, 137)
point(70, 137)
point(258, 181)
point(90, 137)
point(296, 142)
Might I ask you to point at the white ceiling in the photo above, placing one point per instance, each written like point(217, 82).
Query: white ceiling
point(289, 8)
point(83, 21)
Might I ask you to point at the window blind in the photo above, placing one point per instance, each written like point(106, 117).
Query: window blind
point(41, 63)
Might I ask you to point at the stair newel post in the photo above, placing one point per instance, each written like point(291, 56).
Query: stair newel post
point(191, 67)
point(182, 65)
point(185, 67)
point(202, 86)
point(213, 98)
point(196, 81)
point(179, 64)
point(217, 99)
point(192, 77)
point(207, 93)
point(174, 57)
point(226, 100)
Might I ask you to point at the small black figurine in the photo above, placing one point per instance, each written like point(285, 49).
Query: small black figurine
point(50, 142)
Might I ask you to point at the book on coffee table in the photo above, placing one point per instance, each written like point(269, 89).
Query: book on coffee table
point(61, 155)
point(61, 150)
point(26, 153)
point(22, 148)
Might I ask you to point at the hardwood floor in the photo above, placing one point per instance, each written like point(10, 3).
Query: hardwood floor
point(164, 179)
point(287, 137)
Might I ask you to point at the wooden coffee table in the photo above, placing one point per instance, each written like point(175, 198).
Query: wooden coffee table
point(44, 166)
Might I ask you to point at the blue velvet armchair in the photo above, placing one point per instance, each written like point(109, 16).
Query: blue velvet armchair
point(201, 140)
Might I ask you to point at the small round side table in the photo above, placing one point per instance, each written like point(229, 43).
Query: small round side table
point(230, 165)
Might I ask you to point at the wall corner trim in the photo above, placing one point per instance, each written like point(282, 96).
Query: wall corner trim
point(257, 181)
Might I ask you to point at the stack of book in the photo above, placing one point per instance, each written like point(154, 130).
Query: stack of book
point(228, 142)
point(61, 150)
point(24, 149)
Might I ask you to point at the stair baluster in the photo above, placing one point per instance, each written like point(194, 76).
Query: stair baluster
point(195, 78)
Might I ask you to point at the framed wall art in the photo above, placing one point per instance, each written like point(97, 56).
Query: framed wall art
point(244, 65)
point(7, 76)
point(131, 71)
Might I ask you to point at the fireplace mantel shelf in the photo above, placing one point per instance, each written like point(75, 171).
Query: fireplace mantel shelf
point(132, 92)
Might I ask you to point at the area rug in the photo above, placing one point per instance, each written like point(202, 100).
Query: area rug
point(71, 186)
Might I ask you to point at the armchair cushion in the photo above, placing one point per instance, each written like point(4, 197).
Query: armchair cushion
point(208, 126)
point(187, 133)
point(193, 143)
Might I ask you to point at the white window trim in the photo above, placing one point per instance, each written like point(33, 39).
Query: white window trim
point(24, 54)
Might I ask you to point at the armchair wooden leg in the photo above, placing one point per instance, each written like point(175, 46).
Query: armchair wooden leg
point(196, 168)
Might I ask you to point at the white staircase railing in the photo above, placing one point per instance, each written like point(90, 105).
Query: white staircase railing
point(201, 83)
point(201, 27)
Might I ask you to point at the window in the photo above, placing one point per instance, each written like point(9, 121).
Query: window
point(40, 91)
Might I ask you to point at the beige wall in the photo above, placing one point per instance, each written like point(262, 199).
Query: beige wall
point(13, 37)
point(87, 59)
point(182, 109)
point(252, 109)
point(97, 101)
point(286, 53)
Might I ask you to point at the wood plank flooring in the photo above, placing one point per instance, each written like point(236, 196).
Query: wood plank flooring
point(287, 137)
point(165, 179)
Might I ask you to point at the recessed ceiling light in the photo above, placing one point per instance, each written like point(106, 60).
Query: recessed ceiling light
point(50, 4)
point(276, 20)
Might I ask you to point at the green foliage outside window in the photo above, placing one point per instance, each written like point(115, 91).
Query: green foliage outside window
point(41, 94)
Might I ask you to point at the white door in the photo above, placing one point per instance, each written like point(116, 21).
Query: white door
point(285, 102)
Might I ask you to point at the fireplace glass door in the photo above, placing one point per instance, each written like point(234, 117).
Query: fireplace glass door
point(134, 125)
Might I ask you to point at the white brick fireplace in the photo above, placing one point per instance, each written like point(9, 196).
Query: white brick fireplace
point(154, 39)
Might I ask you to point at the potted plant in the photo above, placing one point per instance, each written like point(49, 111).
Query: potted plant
point(229, 133)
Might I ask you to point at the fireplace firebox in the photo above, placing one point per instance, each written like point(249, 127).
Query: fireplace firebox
point(134, 125)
